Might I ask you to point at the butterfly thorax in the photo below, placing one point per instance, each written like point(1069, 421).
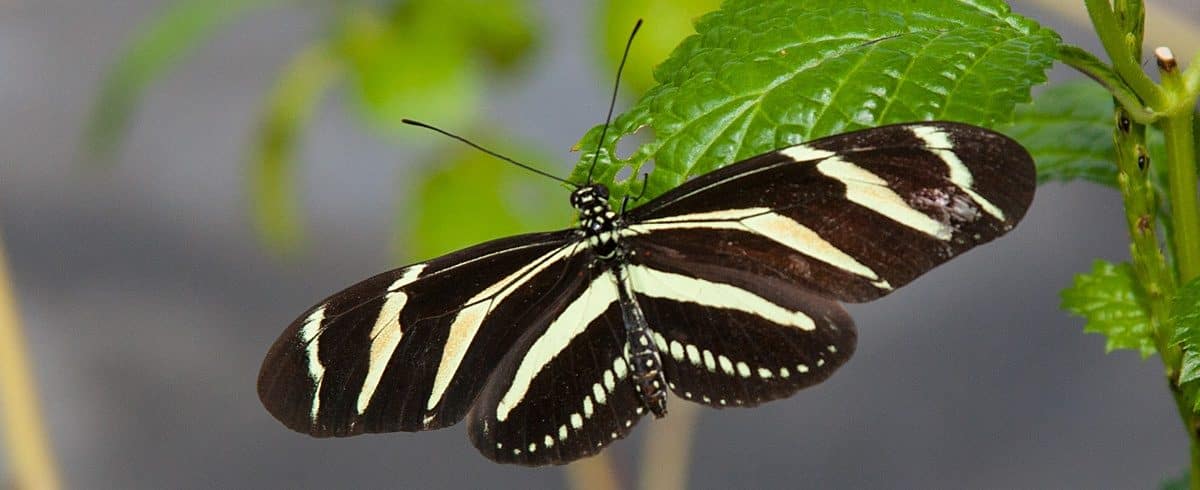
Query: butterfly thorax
point(597, 219)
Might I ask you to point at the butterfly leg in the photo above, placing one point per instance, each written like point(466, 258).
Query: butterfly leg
point(642, 354)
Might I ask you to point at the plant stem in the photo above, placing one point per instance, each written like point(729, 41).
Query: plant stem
point(31, 461)
point(1181, 170)
point(594, 473)
point(666, 452)
point(1126, 63)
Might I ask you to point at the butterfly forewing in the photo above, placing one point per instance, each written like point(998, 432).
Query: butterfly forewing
point(403, 351)
point(851, 216)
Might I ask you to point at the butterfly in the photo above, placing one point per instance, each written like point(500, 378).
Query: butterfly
point(724, 291)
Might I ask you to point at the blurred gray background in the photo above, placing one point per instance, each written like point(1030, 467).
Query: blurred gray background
point(149, 303)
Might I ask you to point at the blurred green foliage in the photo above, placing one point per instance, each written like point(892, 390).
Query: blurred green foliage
point(669, 22)
point(154, 49)
point(421, 59)
point(468, 198)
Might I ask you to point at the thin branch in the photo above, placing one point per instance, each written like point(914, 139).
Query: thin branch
point(1171, 26)
point(668, 448)
point(594, 473)
point(1125, 63)
point(31, 460)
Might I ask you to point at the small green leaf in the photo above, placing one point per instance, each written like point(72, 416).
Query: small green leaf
point(1185, 319)
point(667, 23)
point(272, 153)
point(1113, 305)
point(474, 198)
point(1068, 128)
point(760, 75)
point(156, 47)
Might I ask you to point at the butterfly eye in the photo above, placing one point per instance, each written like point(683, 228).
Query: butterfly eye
point(602, 192)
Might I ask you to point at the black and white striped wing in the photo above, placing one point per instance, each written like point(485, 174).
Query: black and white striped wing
point(738, 338)
point(564, 392)
point(411, 349)
point(851, 216)
point(738, 270)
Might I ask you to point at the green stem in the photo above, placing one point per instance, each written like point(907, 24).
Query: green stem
point(1125, 62)
point(1087, 63)
point(1190, 80)
point(1181, 170)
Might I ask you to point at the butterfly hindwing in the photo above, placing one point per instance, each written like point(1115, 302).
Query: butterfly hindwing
point(402, 351)
point(736, 337)
point(564, 392)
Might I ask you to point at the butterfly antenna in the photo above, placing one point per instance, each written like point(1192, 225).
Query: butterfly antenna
point(613, 102)
point(489, 152)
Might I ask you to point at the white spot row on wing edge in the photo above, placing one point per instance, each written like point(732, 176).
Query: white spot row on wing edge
point(574, 319)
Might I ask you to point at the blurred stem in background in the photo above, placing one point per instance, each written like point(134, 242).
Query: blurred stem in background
point(25, 441)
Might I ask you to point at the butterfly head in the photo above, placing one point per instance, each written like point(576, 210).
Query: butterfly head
point(587, 198)
point(596, 216)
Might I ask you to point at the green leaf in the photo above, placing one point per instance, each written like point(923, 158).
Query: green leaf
point(474, 198)
point(667, 22)
point(156, 47)
point(1113, 305)
point(761, 75)
point(1185, 320)
point(272, 154)
point(1068, 128)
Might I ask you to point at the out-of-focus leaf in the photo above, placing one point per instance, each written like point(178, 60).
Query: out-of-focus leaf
point(504, 31)
point(1068, 128)
point(272, 163)
point(156, 47)
point(667, 22)
point(473, 198)
point(1110, 300)
point(423, 59)
point(761, 75)
point(410, 64)
point(1090, 65)
point(1177, 483)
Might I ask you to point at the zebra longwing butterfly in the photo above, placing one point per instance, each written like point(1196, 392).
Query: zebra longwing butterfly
point(723, 291)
